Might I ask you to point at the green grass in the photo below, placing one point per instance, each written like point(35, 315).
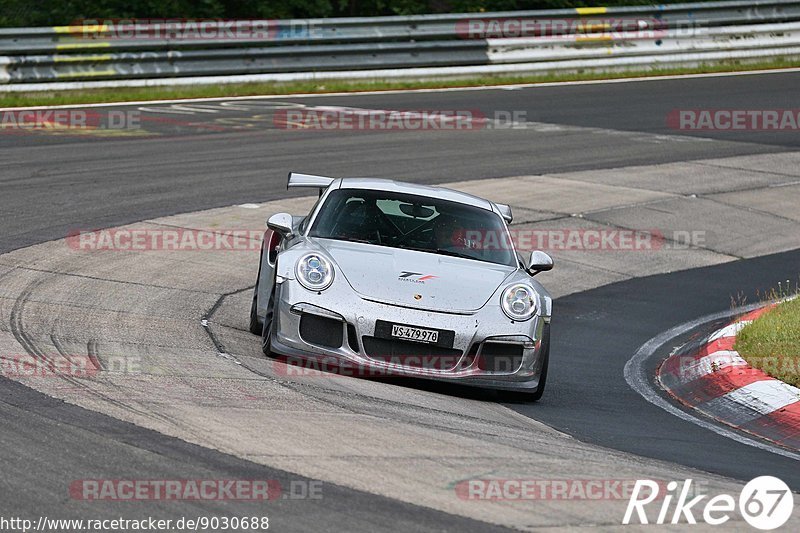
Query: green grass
point(254, 89)
point(772, 342)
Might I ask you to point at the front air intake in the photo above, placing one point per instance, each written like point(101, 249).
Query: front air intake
point(322, 331)
point(411, 354)
point(500, 358)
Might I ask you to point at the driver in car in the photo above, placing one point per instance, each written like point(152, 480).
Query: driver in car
point(449, 234)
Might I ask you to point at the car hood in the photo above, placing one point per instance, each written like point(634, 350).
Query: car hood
point(416, 279)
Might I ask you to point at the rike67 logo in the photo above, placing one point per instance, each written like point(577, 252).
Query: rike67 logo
point(765, 503)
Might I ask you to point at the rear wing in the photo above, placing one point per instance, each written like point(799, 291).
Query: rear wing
point(505, 212)
point(308, 180)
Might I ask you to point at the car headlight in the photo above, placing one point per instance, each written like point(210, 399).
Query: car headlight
point(518, 302)
point(314, 272)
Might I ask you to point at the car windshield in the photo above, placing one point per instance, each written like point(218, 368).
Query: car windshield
point(413, 222)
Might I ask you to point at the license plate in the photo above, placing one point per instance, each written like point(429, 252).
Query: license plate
point(415, 334)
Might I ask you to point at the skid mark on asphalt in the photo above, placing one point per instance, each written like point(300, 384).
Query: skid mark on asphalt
point(40, 352)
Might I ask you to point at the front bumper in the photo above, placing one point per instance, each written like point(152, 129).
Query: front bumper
point(488, 350)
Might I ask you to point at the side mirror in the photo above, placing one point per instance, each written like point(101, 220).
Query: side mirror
point(539, 262)
point(281, 223)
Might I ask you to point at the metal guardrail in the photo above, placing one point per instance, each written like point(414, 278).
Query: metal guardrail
point(415, 27)
point(423, 45)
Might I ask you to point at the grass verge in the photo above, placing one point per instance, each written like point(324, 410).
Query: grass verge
point(772, 342)
point(86, 96)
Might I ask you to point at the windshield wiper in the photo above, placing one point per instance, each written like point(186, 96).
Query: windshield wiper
point(414, 248)
point(352, 239)
point(440, 251)
point(455, 254)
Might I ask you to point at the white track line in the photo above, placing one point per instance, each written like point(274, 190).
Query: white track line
point(637, 379)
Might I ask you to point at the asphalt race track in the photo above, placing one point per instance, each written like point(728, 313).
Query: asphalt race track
point(112, 180)
point(198, 156)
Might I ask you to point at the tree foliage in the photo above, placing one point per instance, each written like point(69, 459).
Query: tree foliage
point(62, 12)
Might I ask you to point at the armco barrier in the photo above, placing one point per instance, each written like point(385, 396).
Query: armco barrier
point(98, 53)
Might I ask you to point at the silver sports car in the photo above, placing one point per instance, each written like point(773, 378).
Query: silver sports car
point(399, 279)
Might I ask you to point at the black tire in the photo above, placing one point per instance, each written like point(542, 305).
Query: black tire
point(263, 327)
point(266, 338)
point(256, 327)
point(267, 327)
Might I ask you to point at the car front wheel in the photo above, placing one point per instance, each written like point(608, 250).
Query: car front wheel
point(266, 327)
point(266, 338)
point(256, 326)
